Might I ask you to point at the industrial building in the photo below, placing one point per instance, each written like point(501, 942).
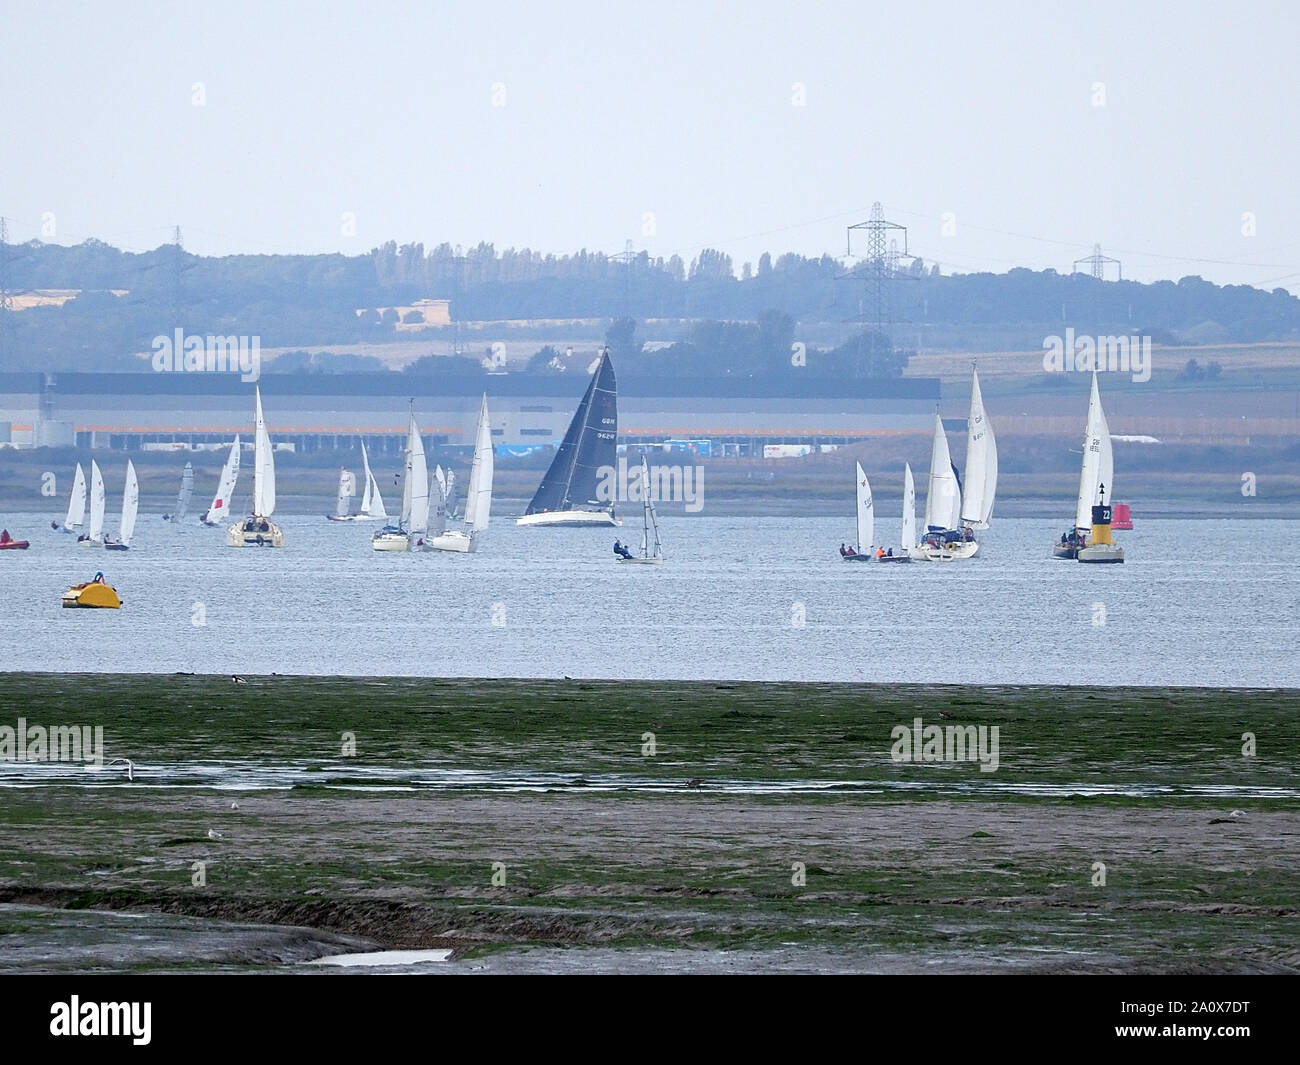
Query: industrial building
point(312, 412)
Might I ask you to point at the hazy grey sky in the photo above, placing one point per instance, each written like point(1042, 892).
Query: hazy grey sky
point(565, 126)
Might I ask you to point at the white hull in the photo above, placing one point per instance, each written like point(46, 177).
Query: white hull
point(390, 542)
point(238, 536)
point(355, 517)
point(451, 541)
point(947, 553)
point(654, 560)
point(571, 517)
point(85, 541)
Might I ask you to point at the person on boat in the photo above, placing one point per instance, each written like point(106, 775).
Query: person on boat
point(621, 550)
point(890, 553)
point(5, 538)
point(54, 525)
point(98, 578)
point(843, 553)
point(880, 552)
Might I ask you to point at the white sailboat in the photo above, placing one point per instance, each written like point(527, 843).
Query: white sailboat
point(907, 534)
point(981, 463)
point(76, 504)
point(414, 519)
point(942, 508)
point(478, 499)
point(652, 551)
point(372, 506)
point(225, 488)
point(343, 502)
point(258, 529)
point(183, 497)
point(866, 521)
point(130, 506)
point(1089, 541)
point(94, 535)
point(439, 491)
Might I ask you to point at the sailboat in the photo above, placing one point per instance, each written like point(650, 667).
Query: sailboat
point(94, 535)
point(343, 502)
point(907, 534)
point(414, 519)
point(1096, 474)
point(183, 497)
point(568, 493)
point(76, 504)
point(225, 488)
point(981, 463)
point(652, 549)
point(478, 499)
point(941, 540)
point(258, 529)
point(130, 505)
point(866, 522)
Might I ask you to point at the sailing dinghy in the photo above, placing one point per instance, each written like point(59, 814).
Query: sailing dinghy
point(478, 499)
point(568, 494)
point(414, 519)
point(130, 505)
point(225, 488)
point(861, 552)
point(183, 497)
point(907, 534)
point(652, 549)
point(343, 502)
point(76, 504)
point(258, 529)
point(94, 535)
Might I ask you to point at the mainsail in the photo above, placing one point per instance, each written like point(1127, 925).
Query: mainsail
point(96, 530)
point(263, 465)
point(415, 486)
point(347, 485)
point(478, 500)
point(371, 504)
point(589, 445)
point(909, 509)
point(981, 462)
point(866, 513)
point(77, 502)
point(1098, 467)
point(187, 490)
point(226, 486)
point(943, 496)
point(130, 505)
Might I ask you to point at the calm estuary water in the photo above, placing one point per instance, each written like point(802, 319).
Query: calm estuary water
point(738, 598)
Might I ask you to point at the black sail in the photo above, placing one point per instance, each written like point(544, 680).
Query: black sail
point(590, 443)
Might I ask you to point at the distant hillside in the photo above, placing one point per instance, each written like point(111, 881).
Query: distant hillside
point(125, 299)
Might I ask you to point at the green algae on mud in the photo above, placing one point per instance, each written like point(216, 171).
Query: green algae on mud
point(933, 873)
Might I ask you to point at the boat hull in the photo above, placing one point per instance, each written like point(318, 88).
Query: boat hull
point(947, 553)
point(92, 595)
point(113, 545)
point(238, 535)
point(450, 541)
point(15, 545)
point(653, 560)
point(390, 541)
point(86, 541)
point(895, 558)
point(862, 557)
point(352, 517)
point(571, 517)
point(1101, 553)
point(1064, 551)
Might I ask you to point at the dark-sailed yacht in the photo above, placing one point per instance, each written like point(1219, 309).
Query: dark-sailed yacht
point(568, 493)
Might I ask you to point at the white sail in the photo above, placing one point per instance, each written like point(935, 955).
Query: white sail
point(478, 501)
point(226, 486)
point(415, 486)
point(372, 505)
point(347, 485)
point(981, 462)
point(77, 501)
point(1098, 467)
point(866, 513)
point(909, 509)
point(96, 530)
point(187, 490)
point(130, 505)
point(651, 522)
point(263, 465)
point(943, 496)
point(369, 480)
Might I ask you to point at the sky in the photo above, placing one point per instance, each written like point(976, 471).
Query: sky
point(999, 134)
